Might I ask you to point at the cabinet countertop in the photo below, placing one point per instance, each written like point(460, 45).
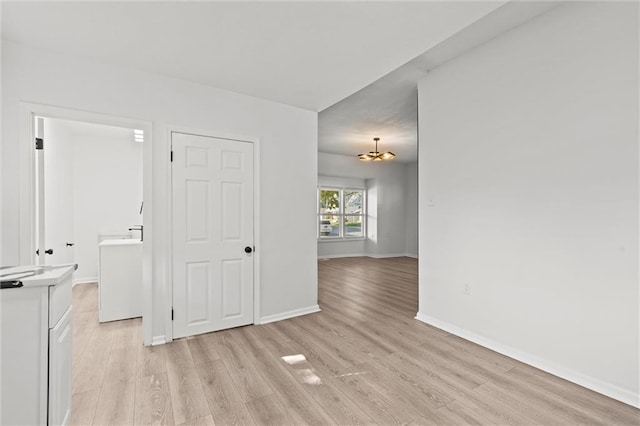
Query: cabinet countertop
point(37, 275)
point(119, 242)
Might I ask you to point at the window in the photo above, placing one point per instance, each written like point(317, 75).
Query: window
point(341, 213)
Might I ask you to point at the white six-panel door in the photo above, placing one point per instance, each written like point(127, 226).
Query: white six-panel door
point(212, 185)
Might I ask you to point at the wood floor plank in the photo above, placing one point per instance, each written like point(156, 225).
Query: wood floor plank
point(84, 407)
point(153, 401)
point(246, 376)
point(122, 365)
point(203, 348)
point(503, 401)
point(84, 323)
point(116, 404)
point(203, 421)
point(365, 391)
point(269, 411)
point(461, 413)
point(362, 360)
point(406, 394)
point(291, 393)
point(336, 343)
point(585, 400)
point(361, 346)
point(187, 396)
point(128, 333)
point(225, 400)
point(485, 357)
point(151, 360)
point(463, 375)
point(322, 357)
point(409, 386)
point(85, 298)
point(177, 354)
point(552, 403)
point(337, 405)
point(89, 369)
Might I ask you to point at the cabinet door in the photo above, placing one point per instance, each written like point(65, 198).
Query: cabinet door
point(60, 365)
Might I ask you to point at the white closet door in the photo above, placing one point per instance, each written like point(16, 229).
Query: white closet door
point(212, 185)
point(56, 159)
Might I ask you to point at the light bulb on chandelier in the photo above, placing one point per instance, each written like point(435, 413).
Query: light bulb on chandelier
point(376, 155)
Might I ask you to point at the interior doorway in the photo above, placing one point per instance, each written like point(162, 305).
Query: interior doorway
point(32, 221)
point(88, 189)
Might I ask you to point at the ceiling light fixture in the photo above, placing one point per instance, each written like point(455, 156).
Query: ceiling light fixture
point(138, 135)
point(375, 155)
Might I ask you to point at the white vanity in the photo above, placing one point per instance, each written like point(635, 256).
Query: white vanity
point(120, 281)
point(36, 346)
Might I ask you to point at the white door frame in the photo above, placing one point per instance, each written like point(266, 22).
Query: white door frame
point(256, 218)
point(28, 188)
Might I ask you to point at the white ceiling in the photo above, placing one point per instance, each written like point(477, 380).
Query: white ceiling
point(306, 54)
point(357, 63)
point(388, 108)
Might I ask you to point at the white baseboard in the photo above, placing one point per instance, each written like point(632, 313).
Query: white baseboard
point(375, 256)
point(290, 314)
point(596, 385)
point(338, 256)
point(383, 256)
point(85, 280)
point(158, 340)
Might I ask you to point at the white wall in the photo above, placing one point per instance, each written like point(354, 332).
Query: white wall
point(286, 135)
point(107, 189)
point(411, 212)
point(529, 149)
point(386, 235)
point(387, 206)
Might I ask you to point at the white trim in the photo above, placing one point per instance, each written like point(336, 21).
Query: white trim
point(338, 256)
point(257, 294)
point(166, 283)
point(340, 239)
point(158, 340)
point(290, 314)
point(27, 186)
point(382, 256)
point(168, 249)
point(373, 256)
point(84, 280)
point(597, 385)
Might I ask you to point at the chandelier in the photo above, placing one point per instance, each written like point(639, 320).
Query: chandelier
point(376, 155)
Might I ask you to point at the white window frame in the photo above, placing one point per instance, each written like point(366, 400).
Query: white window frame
point(341, 213)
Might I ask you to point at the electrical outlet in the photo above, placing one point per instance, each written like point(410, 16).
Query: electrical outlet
point(467, 289)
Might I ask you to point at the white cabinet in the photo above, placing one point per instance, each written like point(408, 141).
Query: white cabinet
point(120, 282)
point(36, 347)
point(60, 364)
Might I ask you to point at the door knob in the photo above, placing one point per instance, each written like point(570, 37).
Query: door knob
point(248, 249)
point(69, 244)
point(49, 251)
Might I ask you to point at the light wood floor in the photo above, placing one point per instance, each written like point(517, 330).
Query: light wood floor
point(362, 360)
